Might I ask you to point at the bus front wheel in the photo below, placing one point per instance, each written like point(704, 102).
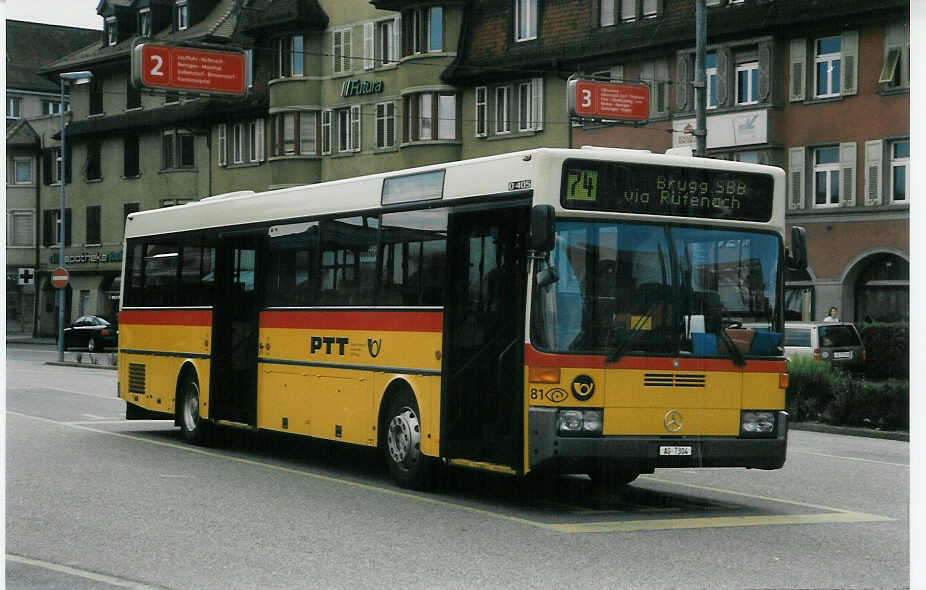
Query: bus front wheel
point(408, 466)
point(194, 428)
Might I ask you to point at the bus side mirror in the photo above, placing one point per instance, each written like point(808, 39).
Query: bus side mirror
point(542, 235)
point(797, 258)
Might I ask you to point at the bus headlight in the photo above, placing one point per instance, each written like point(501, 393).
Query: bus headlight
point(757, 422)
point(586, 421)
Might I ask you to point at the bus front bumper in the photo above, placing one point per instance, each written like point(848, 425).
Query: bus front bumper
point(574, 454)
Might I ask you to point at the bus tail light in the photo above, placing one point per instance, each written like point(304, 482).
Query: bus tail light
point(544, 374)
point(783, 380)
point(816, 354)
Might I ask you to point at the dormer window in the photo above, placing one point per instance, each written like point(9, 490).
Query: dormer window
point(112, 34)
point(181, 15)
point(144, 22)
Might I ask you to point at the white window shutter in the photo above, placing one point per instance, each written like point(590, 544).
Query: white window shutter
point(798, 62)
point(368, 57)
point(874, 156)
point(223, 151)
point(348, 51)
point(259, 139)
point(847, 174)
point(849, 70)
point(537, 106)
point(683, 81)
point(355, 128)
point(796, 178)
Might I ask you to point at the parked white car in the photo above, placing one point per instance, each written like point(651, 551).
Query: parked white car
point(838, 343)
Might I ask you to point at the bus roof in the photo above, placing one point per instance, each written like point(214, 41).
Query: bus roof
point(511, 173)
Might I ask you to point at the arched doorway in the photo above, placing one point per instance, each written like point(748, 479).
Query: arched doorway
point(882, 289)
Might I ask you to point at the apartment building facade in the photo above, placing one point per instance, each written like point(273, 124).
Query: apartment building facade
point(33, 106)
point(340, 89)
point(820, 89)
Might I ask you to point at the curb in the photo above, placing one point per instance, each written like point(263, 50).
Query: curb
point(80, 365)
point(850, 431)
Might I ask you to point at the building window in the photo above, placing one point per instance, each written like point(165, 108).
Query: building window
point(385, 125)
point(222, 133)
point(424, 30)
point(51, 107)
point(710, 74)
point(481, 111)
point(827, 64)
point(436, 29)
point(20, 227)
point(132, 95)
point(144, 22)
point(130, 166)
point(256, 140)
point(606, 14)
point(628, 10)
point(288, 121)
point(387, 41)
point(431, 115)
point(650, 8)
point(895, 73)
point(289, 56)
point(341, 51)
point(181, 15)
point(177, 149)
point(502, 110)
point(900, 171)
point(290, 134)
point(112, 34)
point(51, 165)
point(93, 225)
point(51, 227)
point(826, 176)
point(96, 96)
point(128, 209)
point(326, 132)
point(21, 171)
point(525, 20)
point(882, 291)
point(530, 105)
point(349, 129)
point(747, 83)
point(92, 165)
point(238, 143)
point(14, 107)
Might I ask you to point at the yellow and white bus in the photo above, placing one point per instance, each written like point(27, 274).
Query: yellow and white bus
point(593, 310)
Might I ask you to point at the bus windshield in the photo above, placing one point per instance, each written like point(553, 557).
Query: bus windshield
point(632, 288)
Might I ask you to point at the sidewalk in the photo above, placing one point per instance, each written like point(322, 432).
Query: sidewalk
point(28, 339)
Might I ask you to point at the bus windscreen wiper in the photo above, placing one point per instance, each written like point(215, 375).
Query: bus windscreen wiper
point(738, 359)
point(634, 330)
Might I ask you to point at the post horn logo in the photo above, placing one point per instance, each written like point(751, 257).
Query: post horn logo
point(583, 387)
point(374, 346)
point(673, 421)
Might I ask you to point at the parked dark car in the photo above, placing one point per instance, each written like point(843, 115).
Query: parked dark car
point(91, 332)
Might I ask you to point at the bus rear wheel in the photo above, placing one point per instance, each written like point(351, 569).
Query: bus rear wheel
point(408, 466)
point(194, 428)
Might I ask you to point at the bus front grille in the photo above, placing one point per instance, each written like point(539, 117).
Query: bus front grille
point(673, 380)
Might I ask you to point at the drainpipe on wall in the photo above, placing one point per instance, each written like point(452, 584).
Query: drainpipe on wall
point(38, 244)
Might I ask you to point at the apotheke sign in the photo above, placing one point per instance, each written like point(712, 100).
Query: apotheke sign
point(361, 87)
point(88, 258)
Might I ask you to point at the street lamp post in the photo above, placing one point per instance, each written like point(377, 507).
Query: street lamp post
point(73, 78)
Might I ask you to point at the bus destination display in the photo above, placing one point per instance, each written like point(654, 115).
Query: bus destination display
point(667, 190)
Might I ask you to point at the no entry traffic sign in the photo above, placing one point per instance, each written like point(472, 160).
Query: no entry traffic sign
point(59, 278)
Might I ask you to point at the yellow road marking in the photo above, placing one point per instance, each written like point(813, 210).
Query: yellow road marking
point(833, 515)
point(715, 522)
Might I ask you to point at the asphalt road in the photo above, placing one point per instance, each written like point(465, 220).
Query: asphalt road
point(93, 501)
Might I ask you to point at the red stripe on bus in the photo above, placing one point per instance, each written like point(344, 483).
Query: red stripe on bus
point(534, 357)
point(166, 317)
point(393, 321)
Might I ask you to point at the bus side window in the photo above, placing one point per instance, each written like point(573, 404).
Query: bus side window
point(413, 257)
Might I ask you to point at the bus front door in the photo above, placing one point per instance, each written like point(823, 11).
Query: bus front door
point(481, 418)
point(233, 394)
